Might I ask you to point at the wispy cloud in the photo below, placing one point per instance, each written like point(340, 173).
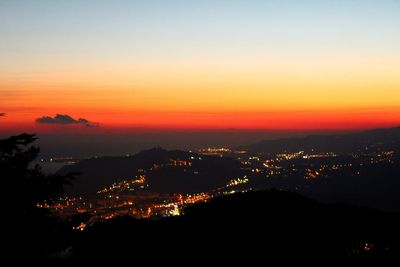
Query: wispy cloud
point(63, 119)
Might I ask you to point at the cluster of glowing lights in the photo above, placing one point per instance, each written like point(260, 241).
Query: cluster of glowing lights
point(238, 181)
point(128, 184)
point(80, 227)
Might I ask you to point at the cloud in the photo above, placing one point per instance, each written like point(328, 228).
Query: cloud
point(64, 119)
point(2, 114)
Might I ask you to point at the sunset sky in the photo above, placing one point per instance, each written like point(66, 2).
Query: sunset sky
point(124, 65)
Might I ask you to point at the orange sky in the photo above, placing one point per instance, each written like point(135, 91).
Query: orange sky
point(296, 95)
point(222, 73)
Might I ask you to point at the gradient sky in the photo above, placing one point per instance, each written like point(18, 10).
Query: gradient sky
point(284, 65)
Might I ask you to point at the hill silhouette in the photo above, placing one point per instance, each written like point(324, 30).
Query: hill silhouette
point(252, 227)
point(371, 185)
point(340, 143)
point(204, 173)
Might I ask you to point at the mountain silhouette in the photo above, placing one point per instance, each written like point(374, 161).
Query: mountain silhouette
point(339, 143)
point(251, 227)
point(163, 174)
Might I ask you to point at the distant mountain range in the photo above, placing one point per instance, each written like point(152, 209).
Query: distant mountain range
point(340, 143)
point(185, 172)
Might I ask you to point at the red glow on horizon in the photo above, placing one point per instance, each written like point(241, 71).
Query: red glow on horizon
point(198, 122)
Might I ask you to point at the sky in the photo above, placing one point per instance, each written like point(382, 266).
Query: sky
point(121, 66)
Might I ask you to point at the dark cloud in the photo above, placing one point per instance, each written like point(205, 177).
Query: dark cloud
point(2, 114)
point(65, 119)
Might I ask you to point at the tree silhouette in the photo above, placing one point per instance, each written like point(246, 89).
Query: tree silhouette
point(27, 229)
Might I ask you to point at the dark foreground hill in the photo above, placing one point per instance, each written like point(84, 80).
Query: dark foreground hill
point(340, 143)
point(254, 227)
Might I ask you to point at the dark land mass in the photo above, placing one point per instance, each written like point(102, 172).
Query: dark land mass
point(253, 227)
point(376, 186)
point(204, 174)
point(249, 227)
point(340, 143)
